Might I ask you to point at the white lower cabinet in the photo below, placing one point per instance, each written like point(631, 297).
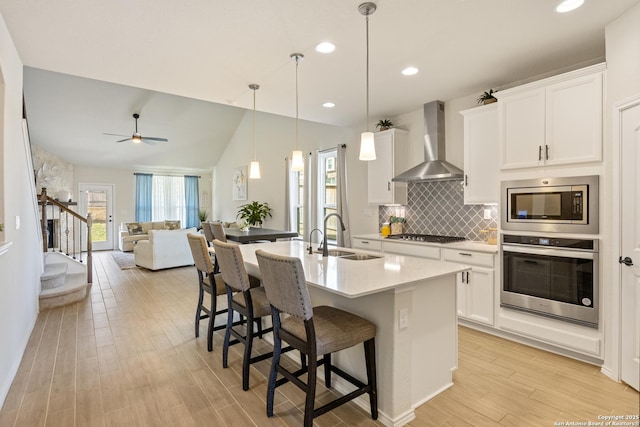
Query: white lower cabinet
point(476, 287)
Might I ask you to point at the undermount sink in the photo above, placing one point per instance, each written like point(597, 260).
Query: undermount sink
point(337, 252)
point(360, 257)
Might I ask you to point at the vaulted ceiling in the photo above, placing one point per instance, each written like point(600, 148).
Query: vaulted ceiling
point(181, 63)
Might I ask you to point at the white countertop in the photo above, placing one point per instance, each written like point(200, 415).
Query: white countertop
point(464, 245)
point(354, 279)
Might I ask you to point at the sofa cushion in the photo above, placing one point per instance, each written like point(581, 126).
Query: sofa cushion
point(135, 228)
point(172, 225)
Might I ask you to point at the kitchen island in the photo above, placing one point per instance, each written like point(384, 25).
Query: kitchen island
point(412, 302)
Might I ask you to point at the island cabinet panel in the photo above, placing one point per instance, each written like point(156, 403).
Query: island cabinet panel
point(391, 160)
point(555, 121)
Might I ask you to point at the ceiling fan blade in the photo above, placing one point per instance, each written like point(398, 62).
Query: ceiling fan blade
point(114, 134)
point(149, 138)
point(126, 139)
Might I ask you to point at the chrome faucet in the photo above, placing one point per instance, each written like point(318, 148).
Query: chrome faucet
point(310, 242)
point(325, 251)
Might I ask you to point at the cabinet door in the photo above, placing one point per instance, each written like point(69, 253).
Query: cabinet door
point(521, 119)
point(480, 298)
point(481, 155)
point(574, 121)
point(461, 294)
point(391, 157)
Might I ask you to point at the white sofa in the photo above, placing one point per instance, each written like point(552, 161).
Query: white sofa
point(133, 232)
point(164, 249)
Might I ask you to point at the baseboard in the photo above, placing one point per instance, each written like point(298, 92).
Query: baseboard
point(6, 385)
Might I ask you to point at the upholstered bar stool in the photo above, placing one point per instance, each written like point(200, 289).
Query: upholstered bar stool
point(315, 331)
point(208, 282)
point(218, 231)
point(249, 301)
point(208, 232)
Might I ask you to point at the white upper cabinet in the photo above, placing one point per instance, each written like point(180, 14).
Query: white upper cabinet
point(555, 121)
point(391, 160)
point(481, 155)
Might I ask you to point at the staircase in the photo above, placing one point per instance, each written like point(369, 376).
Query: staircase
point(64, 281)
point(67, 254)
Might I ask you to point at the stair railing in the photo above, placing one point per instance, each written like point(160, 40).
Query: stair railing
point(65, 231)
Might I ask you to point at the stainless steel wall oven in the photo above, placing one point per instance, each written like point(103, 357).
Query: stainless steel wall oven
point(555, 277)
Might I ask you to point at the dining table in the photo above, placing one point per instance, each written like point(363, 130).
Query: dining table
point(255, 234)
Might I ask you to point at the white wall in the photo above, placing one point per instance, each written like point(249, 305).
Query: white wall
point(21, 266)
point(275, 141)
point(623, 81)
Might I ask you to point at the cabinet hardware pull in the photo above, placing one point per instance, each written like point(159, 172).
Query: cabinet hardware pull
point(462, 276)
point(388, 185)
point(546, 152)
point(364, 242)
point(467, 277)
point(464, 254)
point(539, 152)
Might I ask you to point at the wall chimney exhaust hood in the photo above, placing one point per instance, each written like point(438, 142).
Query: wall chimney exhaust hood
point(434, 167)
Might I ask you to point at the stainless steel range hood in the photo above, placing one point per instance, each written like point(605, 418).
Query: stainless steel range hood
point(434, 167)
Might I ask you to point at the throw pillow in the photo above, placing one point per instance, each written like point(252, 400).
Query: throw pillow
point(172, 225)
point(135, 228)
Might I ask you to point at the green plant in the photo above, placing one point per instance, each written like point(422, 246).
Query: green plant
point(384, 124)
point(203, 215)
point(254, 213)
point(1, 227)
point(487, 96)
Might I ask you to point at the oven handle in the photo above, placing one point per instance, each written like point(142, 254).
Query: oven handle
point(563, 253)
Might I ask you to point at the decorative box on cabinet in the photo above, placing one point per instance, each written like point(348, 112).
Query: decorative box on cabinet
point(555, 121)
point(481, 183)
point(391, 160)
point(475, 288)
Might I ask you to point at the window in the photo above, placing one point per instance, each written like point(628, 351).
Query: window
point(298, 203)
point(327, 191)
point(168, 199)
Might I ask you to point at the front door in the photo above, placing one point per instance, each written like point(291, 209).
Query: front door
point(630, 243)
point(97, 199)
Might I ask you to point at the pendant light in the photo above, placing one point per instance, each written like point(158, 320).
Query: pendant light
point(254, 169)
point(297, 160)
point(367, 143)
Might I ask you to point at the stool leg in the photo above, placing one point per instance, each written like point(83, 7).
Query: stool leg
point(311, 391)
point(199, 309)
point(246, 361)
point(327, 370)
point(212, 317)
point(227, 331)
point(275, 361)
point(370, 361)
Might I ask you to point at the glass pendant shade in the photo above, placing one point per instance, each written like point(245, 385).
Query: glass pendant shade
point(297, 161)
point(254, 170)
point(367, 146)
point(136, 139)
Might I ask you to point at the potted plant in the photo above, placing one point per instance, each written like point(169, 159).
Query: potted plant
point(487, 97)
point(254, 213)
point(384, 124)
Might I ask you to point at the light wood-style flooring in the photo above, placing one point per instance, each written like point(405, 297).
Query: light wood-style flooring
point(127, 356)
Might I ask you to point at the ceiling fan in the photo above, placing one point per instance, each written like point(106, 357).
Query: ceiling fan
point(137, 138)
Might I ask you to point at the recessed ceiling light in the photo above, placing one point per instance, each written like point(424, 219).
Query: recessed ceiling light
point(568, 5)
point(325, 47)
point(410, 71)
point(328, 105)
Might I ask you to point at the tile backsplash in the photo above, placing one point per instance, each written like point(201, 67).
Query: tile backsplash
point(438, 207)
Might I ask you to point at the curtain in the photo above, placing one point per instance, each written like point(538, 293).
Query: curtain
point(168, 199)
point(192, 201)
point(344, 238)
point(144, 196)
point(290, 197)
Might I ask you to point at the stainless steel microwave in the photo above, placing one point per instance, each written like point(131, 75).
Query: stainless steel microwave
point(560, 205)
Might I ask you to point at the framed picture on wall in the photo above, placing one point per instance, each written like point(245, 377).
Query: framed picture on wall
point(239, 182)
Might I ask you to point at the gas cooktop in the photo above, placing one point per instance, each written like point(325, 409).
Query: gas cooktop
point(426, 238)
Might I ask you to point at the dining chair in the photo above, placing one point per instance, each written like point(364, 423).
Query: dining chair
point(249, 301)
point(315, 332)
point(208, 282)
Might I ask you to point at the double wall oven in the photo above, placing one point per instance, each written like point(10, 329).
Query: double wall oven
point(543, 272)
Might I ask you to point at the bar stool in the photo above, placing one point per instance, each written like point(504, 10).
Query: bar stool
point(315, 331)
point(249, 301)
point(218, 231)
point(208, 282)
point(208, 232)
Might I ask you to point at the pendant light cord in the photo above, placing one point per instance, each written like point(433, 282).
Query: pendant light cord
point(297, 62)
point(367, 24)
point(254, 124)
